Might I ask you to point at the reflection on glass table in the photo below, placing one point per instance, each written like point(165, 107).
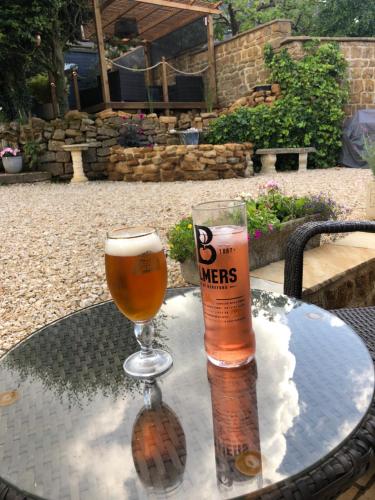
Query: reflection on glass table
point(158, 443)
point(72, 425)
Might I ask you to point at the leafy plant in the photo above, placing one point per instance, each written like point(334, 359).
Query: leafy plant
point(181, 240)
point(369, 153)
point(265, 214)
point(31, 151)
point(39, 88)
point(310, 112)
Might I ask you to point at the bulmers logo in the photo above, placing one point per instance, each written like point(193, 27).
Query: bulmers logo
point(206, 252)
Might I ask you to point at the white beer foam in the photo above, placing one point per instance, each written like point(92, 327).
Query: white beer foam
point(131, 247)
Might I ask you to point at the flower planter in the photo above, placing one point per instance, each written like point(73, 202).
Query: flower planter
point(269, 248)
point(370, 200)
point(12, 164)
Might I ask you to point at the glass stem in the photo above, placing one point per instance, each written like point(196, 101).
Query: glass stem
point(144, 332)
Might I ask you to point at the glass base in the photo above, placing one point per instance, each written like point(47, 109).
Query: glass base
point(228, 364)
point(140, 366)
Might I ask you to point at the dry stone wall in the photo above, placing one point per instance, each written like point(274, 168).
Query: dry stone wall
point(174, 163)
point(101, 132)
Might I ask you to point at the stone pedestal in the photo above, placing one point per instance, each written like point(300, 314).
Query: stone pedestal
point(76, 152)
point(302, 162)
point(268, 163)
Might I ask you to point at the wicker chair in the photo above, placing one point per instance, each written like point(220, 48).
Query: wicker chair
point(335, 474)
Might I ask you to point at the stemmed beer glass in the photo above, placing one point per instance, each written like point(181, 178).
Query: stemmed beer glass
point(136, 271)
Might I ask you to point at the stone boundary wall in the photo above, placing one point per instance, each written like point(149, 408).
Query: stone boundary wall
point(100, 131)
point(239, 61)
point(174, 163)
point(360, 56)
point(240, 65)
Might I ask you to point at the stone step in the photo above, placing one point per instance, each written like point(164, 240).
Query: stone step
point(338, 274)
point(24, 177)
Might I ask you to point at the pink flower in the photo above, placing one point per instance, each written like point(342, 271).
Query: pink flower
point(270, 227)
point(258, 233)
point(9, 152)
point(272, 185)
point(141, 116)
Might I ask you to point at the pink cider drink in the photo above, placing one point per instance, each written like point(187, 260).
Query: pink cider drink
point(223, 262)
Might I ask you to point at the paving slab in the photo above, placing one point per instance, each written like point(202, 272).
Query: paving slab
point(358, 240)
point(320, 264)
point(24, 177)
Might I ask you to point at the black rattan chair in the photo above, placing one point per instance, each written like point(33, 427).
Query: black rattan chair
point(335, 474)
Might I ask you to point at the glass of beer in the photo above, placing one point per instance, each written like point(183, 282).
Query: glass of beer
point(222, 252)
point(136, 271)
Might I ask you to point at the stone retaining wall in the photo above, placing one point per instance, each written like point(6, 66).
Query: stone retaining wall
point(173, 163)
point(100, 131)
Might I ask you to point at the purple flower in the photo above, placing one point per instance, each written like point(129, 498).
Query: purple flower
point(258, 233)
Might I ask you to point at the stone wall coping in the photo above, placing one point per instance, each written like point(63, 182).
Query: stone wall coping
point(271, 151)
point(75, 147)
point(290, 39)
point(243, 33)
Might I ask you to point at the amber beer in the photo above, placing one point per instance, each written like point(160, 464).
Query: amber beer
point(136, 273)
point(236, 425)
point(223, 261)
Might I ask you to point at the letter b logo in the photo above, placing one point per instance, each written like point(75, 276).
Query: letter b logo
point(206, 252)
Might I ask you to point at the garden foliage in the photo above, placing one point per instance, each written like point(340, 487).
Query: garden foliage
point(309, 113)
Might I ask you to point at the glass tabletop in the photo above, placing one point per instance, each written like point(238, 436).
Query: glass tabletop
point(73, 426)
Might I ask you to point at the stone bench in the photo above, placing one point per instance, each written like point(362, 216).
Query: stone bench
point(268, 157)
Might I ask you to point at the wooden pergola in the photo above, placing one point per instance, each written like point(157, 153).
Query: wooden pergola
point(154, 19)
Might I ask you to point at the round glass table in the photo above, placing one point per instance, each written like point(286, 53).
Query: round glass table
point(74, 426)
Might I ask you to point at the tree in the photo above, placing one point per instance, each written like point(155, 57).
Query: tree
point(345, 18)
point(239, 15)
point(309, 17)
point(56, 23)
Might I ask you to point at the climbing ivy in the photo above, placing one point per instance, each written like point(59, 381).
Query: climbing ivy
point(309, 113)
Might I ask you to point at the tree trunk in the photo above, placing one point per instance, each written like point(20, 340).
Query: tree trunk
point(57, 70)
point(234, 24)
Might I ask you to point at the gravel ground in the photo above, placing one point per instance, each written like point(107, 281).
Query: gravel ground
point(52, 235)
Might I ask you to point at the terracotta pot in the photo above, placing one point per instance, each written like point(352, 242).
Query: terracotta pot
point(370, 199)
point(12, 164)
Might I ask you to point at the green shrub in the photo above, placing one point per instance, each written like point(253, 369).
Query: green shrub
point(264, 214)
point(31, 150)
point(39, 88)
point(309, 113)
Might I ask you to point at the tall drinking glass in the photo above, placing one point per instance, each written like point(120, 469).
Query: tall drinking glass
point(136, 271)
point(220, 230)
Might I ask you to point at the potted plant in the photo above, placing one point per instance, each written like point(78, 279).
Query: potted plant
point(40, 90)
point(369, 156)
point(271, 218)
point(12, 160)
